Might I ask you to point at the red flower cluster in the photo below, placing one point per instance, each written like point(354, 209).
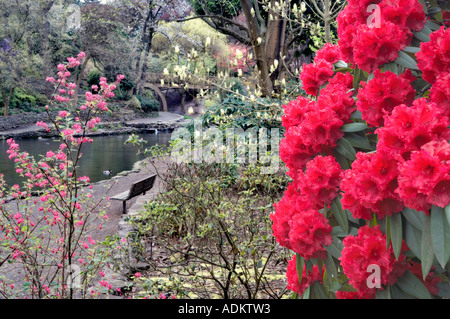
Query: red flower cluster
point(424, 180)
point(366, 250)
point(298, 227)
point(314, 75)
point(378, 97)
point(371, 40)
point(310, 130)
point(338, 96)
point(433, 57)
point(408, 128)
point(440, 93)
point(329, 52)
point(291, 204)
point(294, 111)
point(369, 187)
point(307, 280)
point(309, 232)
point(321, 180)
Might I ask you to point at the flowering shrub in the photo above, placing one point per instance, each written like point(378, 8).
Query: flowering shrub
point(369, 156)
point(48, 225)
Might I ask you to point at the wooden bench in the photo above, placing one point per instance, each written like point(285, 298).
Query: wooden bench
point(137, 188)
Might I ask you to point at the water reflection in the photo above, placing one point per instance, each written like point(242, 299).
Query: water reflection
point(105, 153)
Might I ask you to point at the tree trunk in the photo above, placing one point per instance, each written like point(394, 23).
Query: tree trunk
point(327, 20)
point(144, 63)
point(275, 37)
point(6, 100)
point(261, 61)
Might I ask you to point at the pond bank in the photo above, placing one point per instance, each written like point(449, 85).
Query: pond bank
point(165, 121)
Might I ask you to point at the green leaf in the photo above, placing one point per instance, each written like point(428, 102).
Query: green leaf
point(411, 49)
point(299, 264)
point(405, 60)
point(397, 293)
point(433, 26)
point(384, 294)
point(319, 291)
point(422, 36)
point(413, 286)
point(331, 269)
point(413, 239)
point(339, 213)
point(447, 213)
point(444, 289)
point(396, 233)
point(354, 127)
point(346, 149)
point(335, 248)
point(414, 217)
point(357, 115)
point(341, 159)
point(440, 235)
point(426, 249)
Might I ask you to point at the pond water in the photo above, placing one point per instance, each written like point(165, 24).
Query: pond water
point(105, 153)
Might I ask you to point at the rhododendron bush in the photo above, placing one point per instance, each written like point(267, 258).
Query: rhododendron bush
point(367, 212)
point(49, 224)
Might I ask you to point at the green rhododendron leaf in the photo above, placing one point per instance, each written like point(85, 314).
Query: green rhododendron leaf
point(413, 239)
point(414, 217)
point(405, 60)
point(339, 214)
point(346, 149)
point(413, 286)
point(426, 250)
point(354, 127)
point(440, 235)
point(396, 233)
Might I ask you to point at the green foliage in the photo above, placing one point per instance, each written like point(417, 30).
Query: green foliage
point(220, 212)
point(25, 101)
point(148, 103)
point(94, 77)
point(232, 111)
point(227, 8)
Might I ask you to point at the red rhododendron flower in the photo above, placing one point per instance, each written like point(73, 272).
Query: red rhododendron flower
point(314, 75)
point(434, 57)
point(374, 46)
point(309, 233)
point(338, 96)
point(408, 128)
point(292, 276)
point(367, 248)
point(369, 186)
point(329, 52)
point(291, 204)
point(295, 111)
point(321, 130)
point(321, 180)
point(440, 93)
point(294, 152)
point(318, 132)
point(424, 180)
point(406, 13)
point(378, 97)
point(369, 45)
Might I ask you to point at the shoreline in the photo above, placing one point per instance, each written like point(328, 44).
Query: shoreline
point(165, 121)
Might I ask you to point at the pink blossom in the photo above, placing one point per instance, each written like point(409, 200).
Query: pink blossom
point(63, 113)
point(50, 154)
point(50, 79)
